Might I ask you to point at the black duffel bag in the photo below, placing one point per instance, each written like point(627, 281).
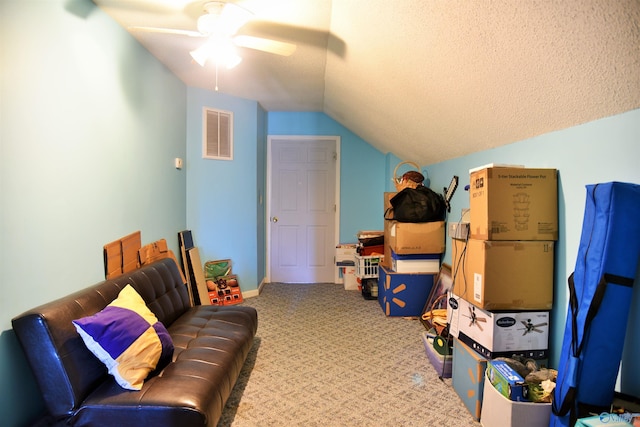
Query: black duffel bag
point(420, 204)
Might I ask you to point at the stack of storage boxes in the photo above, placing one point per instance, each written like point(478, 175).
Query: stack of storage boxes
point(503, 274)
point(412, 253)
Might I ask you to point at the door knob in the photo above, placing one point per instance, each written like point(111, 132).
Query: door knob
point(274, 219)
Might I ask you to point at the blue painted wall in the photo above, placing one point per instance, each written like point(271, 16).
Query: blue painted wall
point(222, 195)
point(90, 124)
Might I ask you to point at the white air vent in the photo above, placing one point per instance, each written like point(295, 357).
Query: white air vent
point(217, 142)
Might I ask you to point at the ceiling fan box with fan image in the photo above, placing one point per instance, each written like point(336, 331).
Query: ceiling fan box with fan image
point(219, 24)
point(499, 334)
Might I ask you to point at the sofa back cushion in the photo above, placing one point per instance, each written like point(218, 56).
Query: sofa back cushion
point(66, 371)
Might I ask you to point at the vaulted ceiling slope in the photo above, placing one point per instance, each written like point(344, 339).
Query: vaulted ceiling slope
point(428, 80)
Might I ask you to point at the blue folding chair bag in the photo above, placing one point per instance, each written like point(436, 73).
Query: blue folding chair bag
point(600, 290)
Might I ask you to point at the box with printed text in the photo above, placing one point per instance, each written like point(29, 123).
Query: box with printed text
point(507, 381)
point(510, 203)
point(499, 334)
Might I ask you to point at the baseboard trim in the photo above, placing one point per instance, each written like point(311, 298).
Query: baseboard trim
point(254, 292)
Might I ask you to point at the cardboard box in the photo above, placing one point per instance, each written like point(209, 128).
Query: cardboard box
point(498, 411)
point(499, 334)
point(227, 296)
point(441, 363)
point(507, 381)
point(403, 294)
point(407, 238)
point(504, 275)
point(514, 204)
point(468, 377)
point(417, 263)
point(387, 245)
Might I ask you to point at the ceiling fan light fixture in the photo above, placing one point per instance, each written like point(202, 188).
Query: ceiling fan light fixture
point(233, 17)
point(219, 50)
point(207, 23)
point(222, 18)
point(200, 55)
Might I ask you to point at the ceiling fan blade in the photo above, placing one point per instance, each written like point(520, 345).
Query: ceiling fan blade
point(188, 33)
point(265, 45)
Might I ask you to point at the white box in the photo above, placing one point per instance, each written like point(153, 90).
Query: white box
point(459, 230)
point(499, 334)
point(498, 411)
point(345, 251)
point(344, 257)
point(350, 280)
point(416, 263)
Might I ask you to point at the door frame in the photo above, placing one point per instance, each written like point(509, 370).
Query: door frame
point(268, 191)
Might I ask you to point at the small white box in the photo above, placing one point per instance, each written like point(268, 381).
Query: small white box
point(345, 251)
point(498, 411)
point(497, 334)
point(345, 257)
point(415, 263)
point(350, 279)
point(459, 230)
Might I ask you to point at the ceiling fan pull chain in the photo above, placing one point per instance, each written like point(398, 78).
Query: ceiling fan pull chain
point(216, 76)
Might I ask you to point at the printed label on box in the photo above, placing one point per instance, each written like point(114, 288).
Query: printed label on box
point(507, 381)
point(477, 287)
point(514, 204)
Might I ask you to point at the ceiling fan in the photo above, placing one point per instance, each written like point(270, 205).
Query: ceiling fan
point(219, 24)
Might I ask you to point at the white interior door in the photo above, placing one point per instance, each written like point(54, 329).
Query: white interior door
point(302, 209)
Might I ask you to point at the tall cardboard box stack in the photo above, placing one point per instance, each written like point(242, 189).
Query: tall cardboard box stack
point(503, 273)
point(412, 254)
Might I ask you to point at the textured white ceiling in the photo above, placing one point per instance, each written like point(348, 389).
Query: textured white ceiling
point(428, 80)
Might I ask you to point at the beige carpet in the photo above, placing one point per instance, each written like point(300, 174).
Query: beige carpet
point(324, 356)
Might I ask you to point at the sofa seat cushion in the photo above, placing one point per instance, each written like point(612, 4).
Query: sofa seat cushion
point(231, 322)
point(213, 333)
